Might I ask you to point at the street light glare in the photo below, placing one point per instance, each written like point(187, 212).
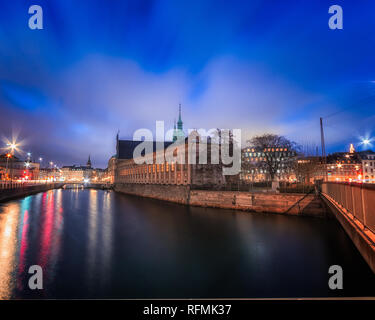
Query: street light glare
point(12, 146)
point(366, 141)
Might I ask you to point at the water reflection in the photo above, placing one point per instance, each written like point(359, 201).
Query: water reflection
point(8, 248)
point(99, 244)
point(23, 230)
point(92, 238)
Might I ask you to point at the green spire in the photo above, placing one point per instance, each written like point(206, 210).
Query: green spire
point(178, 132)
point(179, 123)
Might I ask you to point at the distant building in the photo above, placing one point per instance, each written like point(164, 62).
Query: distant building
point(49, 174)
point(77, 173)
point(128, 171)
point(122, 168)
point(111, 169)
point(344, 166)
point(368, 165)
point(98, 175)
point(254, 160)
point(13, 168)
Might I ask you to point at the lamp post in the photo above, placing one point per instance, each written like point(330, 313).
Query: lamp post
point(8, 155)
point(12, 146)
point(51, 165)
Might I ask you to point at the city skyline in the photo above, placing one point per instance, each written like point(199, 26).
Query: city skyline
point(263, 67)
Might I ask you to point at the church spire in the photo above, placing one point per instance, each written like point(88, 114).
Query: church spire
point(178, 132)
point(89, 162)
point(179, 123)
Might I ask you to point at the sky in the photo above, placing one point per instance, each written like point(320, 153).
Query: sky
point(101, 66)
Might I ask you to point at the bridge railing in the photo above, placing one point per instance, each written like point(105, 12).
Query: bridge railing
point(5, 185)
point(358, 199)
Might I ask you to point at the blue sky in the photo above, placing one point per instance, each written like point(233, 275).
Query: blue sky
point(262, 66)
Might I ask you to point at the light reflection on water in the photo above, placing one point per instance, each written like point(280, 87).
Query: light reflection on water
point(99, 244)
point(8, 248)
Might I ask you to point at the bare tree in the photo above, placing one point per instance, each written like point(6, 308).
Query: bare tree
point(306, 168)
point(277, 153)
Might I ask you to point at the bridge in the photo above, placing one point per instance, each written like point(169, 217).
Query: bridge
point(14, 189)
point(353, 205)
point(86, 185)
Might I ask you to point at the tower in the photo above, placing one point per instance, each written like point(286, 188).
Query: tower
point(351, 149)
point(178, 133)
point(179, 123)
point(88, 162)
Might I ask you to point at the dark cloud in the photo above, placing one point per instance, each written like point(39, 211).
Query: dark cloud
point(259, 66)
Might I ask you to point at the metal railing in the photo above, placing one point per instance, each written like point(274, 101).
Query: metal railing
point(356, 198)
point(5, 185)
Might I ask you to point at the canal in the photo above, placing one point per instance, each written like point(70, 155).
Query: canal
point(100, 244)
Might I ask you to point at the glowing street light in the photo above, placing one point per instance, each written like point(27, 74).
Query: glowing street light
point(366, 141)
point(12, 146)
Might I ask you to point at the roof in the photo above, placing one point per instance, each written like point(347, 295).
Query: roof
point(74, 167)
point(344, 157)
point(125, 148)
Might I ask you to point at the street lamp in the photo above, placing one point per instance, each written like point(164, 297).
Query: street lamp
point(12, 146)
point(366, 141)
point(8, 155)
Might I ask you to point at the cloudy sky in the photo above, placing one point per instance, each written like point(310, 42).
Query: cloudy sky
point(262, 66)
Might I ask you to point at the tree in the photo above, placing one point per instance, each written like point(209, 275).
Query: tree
point(307, 168)
point(277, 153)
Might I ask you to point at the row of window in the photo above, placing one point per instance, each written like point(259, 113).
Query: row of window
point(369, 163)
point(263, 154)
point(152, 169)
point(268, 149)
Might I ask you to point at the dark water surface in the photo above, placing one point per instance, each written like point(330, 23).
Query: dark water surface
point(99, 244)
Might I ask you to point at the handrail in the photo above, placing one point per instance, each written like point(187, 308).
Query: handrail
point(358, 199)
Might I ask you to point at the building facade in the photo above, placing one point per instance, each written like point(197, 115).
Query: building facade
point(124, 168)
point(255, 160)
point(77, 173)
point(13, 168)
point(368, 166)
point(178, 172)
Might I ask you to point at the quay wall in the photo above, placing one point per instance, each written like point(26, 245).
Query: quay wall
point(292, 204)
point(9, 194)
point(172, 193)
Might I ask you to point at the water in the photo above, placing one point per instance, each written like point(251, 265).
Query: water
point(99, 244)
